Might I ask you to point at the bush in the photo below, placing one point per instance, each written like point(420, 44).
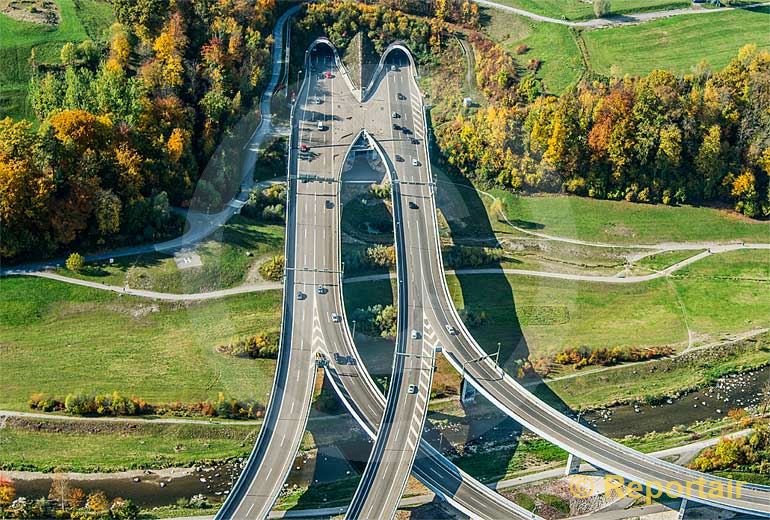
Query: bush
point(75, 262)
point(264, 346)
point(584, 356)
point(522, 49)
point(380, 191)
point(273, 269)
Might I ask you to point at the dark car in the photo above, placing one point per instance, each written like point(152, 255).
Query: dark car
point(401, 96)
point(406, 130)
point(413, 205)
point(399, 158)
point(396, 126)
point(415, 140)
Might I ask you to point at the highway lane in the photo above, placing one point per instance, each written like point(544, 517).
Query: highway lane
point(471, 360)
point(398, 439)
point(309, 311)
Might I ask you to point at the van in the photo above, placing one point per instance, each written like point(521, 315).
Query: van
point(321, 125)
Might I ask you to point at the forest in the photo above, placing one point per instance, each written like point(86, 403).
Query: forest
point(125, 131)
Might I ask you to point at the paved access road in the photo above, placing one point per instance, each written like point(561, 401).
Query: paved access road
point(313, 316)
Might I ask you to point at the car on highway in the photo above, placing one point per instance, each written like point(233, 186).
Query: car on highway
point(392, 67)
point(401, 96)
point(405, 130)
point(329, 204)
point(322, 290)
point(415, 334)
point(396, 126)
point(321, 125)
point(450, 329)
point(395, 115)
point(399, 158)
point(415, 162)
point(412, 389)
point(413, 205)
point(301, 296)
point(336, 318)
point(318, 101)
point(415, 140)
point(328, 75)
point(303, 147)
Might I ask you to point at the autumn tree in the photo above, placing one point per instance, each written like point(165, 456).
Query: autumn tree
point(76, 497)
point(60, 490)
point(97, 502)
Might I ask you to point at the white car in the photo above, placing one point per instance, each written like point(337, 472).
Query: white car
point(395, 115)
point(322, 290)
point(318, 101)
point(321, 125)
point(415, 162)
point(415, 334)
point(336, 318)
point(450, 329)
point(412, 389)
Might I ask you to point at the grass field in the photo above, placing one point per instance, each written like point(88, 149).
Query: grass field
point(554, 45)
point(228, 259)
point(111, 447)
point(80, 19)
point(59, 338)
point(579, 10)
point(676, 43)
point(627, 223)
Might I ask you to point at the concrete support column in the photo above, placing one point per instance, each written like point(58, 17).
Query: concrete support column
point(467, 392)
point(573, 465)
point(682, 509)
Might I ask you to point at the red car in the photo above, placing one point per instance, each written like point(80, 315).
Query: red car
point(328, 75)
point(303, 147)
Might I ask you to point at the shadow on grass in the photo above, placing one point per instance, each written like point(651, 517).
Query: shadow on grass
point(492, 295)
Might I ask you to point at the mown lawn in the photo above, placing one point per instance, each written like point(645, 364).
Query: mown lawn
point(628, 223)
point(59, 338)
point(676, 43)
point(580, 10)
point(227, 258)
point(79, 20)
point(555, 314)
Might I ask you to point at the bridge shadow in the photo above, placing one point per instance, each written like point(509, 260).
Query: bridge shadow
point(488, 305)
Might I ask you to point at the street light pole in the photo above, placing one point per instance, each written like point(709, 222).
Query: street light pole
point(354, 329)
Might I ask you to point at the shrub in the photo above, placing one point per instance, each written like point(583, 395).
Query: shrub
point(273, 269)
point(75, 262)
point(380, 191)
point(522, 49)
point(258, 346)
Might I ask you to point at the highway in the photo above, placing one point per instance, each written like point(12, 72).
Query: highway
point(313, 260)
point(419, 225)
point(390, 463)
point(313, 316)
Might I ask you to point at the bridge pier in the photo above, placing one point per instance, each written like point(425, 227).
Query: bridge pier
point(467, 392)
point(573, 465)
point(682, 509)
